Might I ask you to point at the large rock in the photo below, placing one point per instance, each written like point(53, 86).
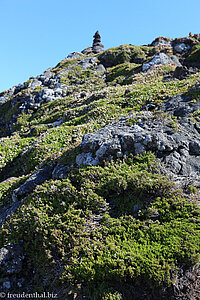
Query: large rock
point(182, 72)
point(44, 77)
point(186, 285)
point(74, 55)
point(176, 144)
point(161, 41)
point(38, 177)
point(175, 60)
point(11, 268)
point(158, 59)
point(3, 99)
point(87, 50)
point(11, 258)
point(181, 107)
point(47, 95)
point(12, 91)
point(34, 84)
point(88, 62)
point(122, 54)
point(196, 36)
point(60, 172)
point(182, 47)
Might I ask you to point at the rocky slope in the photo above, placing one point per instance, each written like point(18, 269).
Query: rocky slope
point(99, 171)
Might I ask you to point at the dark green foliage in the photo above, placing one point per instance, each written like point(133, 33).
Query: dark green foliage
point(142, 249)
point(194, 57)
point(125, 53)
point(64, 64)
point(6, 190)
point(122, 73)
point(124, 185)
point(106, 230)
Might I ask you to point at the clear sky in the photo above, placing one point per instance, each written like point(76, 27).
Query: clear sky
point(37, 34)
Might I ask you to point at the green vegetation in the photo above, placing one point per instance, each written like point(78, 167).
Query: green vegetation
point(105, 228)
point(118, 246)
point(79, 117)
point(126, 53)
point(6, 189)
point(121, 73)
point(64, 64)
point(195, 54)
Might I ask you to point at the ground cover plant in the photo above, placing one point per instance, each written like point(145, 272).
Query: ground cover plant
point(98, 232)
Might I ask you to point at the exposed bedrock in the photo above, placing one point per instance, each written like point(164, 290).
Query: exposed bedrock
point(170, 134)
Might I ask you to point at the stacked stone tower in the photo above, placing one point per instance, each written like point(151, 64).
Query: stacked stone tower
point(97, 46)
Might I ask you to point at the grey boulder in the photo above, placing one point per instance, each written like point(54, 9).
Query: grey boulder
point(11, 258)
point(88, 62)
point(38, 177)
point(158, 59)
point(174, 144)
point(74, 55)
point(182, 47)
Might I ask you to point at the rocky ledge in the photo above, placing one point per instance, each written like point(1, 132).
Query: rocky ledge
point(171, 132)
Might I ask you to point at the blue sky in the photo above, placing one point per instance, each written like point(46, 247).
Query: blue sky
point(37, 34)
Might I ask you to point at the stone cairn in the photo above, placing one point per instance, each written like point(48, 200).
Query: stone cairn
point(97, 46)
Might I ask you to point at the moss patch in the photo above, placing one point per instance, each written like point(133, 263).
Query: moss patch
point(75, 219)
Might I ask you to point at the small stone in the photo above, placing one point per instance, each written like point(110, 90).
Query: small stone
point(58, 91)
point(19, 284)
point(161, 147)
point(7, 285)
point(147, 140)
point(136, 128)
point(176, 155)
point(119, 154)
point(139, 148)
point(135, 208)
point(57, 123)
point(184, 152)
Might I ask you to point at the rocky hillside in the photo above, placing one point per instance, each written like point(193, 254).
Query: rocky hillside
point(100, 175)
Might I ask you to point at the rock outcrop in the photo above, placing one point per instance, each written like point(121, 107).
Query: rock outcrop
point(175, 142)
point(160, 59)
point(161, 41)
point(37, 178)
point(11, 267)
point(182, 72)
